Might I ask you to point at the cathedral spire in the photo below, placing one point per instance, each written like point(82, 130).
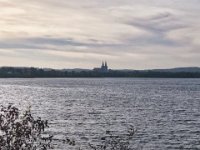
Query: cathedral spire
point(106, 64)
point(102, 64)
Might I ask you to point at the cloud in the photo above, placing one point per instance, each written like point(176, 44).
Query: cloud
point(128, 33)
point(158, 26)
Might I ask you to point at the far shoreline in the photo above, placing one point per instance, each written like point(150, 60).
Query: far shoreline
point(21, 72)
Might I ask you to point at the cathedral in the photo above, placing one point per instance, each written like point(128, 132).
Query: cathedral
point(104, 67)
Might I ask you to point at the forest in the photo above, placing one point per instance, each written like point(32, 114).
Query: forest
point(12, 72)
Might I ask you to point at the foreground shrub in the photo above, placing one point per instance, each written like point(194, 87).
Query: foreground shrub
point(22, 131)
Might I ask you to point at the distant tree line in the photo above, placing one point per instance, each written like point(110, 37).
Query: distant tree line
point(12, 72)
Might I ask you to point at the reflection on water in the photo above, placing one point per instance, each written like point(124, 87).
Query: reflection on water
point(165, 112)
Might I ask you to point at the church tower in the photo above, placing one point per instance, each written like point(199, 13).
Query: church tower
point(106, 66)
point(102, 66)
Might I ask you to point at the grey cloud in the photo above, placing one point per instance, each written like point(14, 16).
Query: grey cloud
point(158, 25)
point(9, 44)
point(38, 42)
point(162, 23)
point(56, 44)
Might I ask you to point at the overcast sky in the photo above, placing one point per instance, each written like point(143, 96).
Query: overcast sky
point(134, 34)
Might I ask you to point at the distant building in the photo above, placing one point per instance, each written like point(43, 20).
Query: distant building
point(104, 68)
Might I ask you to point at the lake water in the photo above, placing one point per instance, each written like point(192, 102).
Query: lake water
point(165, 112)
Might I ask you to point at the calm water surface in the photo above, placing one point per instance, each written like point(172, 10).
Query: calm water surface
point(165, 112)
